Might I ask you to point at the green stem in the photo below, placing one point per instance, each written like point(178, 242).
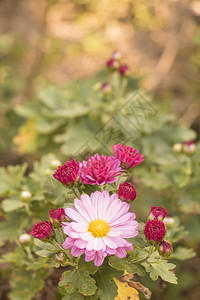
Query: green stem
point(76, 192)
point(66, 251)
point(151, 250)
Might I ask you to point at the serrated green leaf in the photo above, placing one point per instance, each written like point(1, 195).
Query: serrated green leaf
point(182, 253)
point(123, 264)
point(161, 268)
point(12, 204)
point(79, 278)
point(107, 288)
point(45, 246)
point(44, 253)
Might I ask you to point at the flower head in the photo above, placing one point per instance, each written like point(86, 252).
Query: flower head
point(126, 192)
point(127, 155)
point(68, 173)
point(100, 170)
point(42, 231)
point(157, 213)
point(57, 216)
point(165, 249)
point(123, 70)
point(100, 224)
point(154, 231)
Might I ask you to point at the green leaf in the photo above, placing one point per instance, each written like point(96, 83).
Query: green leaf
point(79, 279)
point(44, 253)
point(123, 264)
point(161, 268)
point(12, 204)
point(107, 288)
point(45, 246)
point(182, 253)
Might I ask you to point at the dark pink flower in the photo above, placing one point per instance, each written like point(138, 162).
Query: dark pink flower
point(127, 155)
point(42, 231)
point(57, 216)
point(126, 192)
point(154, 231)
point(123, 70)
point(68, 173)
point(157, 213)
point(100, 170)
point(112, 63)
point(165, 249)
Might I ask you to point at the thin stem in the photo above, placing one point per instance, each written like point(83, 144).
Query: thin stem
point(76, 192)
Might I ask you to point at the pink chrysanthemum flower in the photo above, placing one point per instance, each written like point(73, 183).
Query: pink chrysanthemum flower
point(127, 155)
point(100, 170)
point(68, 173)
point(127, 192)
point(100, 224)
point(42, 231)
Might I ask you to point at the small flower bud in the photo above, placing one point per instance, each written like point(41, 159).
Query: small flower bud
point(126, 192)
point(24, 239)
point(60, 257)
point(25, 196)
point(57, 216)
point(106, 88)
point(112, 64)
point(68, 173)
point(189, 147)
point(43, 231)
point(55, 163)
point(158, 213)
point(154, 231)
point(177, 148)
point(116, 55)
point(124, 70)
point(169, 222)
point(165, 249)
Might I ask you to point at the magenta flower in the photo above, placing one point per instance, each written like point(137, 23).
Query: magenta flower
point(100, 224)
point(154, 231)
point(100, 170)
point(68, 173)
point(157, 213)
point(126, 192)
point(42, 231)
point(165, 249)
point(123, 70)
point(57, 216)
point(127, 155)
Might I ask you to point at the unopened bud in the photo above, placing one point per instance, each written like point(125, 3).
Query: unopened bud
point(60, 257)
point(25, 196)
point(116, 55)
point(177, 148)
point(55, 163)
point(106, 88)
point(189, 147)
point(165, 249)
point(169, 222)
point(24, 239)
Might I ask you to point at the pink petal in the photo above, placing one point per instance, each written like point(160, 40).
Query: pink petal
point(74, 215)
point(79, 206)
point(103, 204)
point(98, 260)
point(115, 232)
point(109, 242)
point(110, 251)
point(79, 227)
point(98, 244)
point(80, 243)
point(120, 220)
point(90, 253)
point(86, 236)
point(74, 234)
point(76, 251)
point(113, 209)
point(121, 252)
point(89, 258)
point(90, 245)
point(68, 243)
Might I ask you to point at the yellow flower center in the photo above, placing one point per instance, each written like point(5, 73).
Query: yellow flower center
point(98, 228)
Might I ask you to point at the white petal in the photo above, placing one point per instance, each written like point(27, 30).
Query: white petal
point(79, 227)
point(98, 244)
point(79, 206)
point(109, 242)
point(86, 236)
point(120, 220)
point(75, 216)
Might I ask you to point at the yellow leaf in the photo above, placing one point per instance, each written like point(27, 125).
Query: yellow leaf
point(125, 291)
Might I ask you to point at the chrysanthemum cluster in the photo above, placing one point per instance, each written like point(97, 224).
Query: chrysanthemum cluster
point(114, 64)
point(155, 230)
